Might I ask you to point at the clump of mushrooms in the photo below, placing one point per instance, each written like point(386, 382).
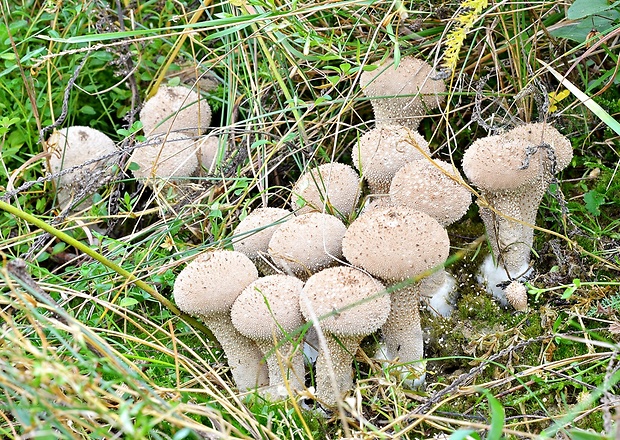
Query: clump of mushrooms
point(345, 304)
point(73, 147)
point(402, 94)
point(206, 289)
point(268, 312)
point(513, 171)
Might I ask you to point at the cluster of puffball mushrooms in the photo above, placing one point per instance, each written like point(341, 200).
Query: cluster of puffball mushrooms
point(291, 269)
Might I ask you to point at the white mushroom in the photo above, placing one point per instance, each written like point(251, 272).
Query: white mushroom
point(402, 94)
point(268, 312)
point(207, 288)
point(72, 147)
point(333, 188)
point(349, 306)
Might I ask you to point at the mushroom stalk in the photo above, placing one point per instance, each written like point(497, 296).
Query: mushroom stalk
point(341, 353)
point(285, 358)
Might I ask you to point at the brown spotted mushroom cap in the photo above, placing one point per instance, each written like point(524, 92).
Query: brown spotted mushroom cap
point(71, 147)
point(395, 243)
point(175, 109)
point(516, 294)
point(333, 188)
point(382, 151)
point(307, 244)
point(435, 188)
point(402, 94)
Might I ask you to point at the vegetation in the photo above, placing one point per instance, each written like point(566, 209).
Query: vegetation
point(92, 345)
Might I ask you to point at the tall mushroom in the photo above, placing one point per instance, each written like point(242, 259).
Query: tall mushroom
point(207, 288)
point(513, 171)
point(396, 244)
point(382, 151)
point(73, 147)
point(402, 94)
point(348, 306)
point(268, 312)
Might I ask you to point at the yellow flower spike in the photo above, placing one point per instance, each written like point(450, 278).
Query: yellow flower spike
point(555, 97)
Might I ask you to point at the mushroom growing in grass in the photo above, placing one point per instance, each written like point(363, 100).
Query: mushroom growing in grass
point(268, 312)
point(396, 244)
point(402, 94)
point(513, 171)
point(175, 109)
point(382, 151)
point(333, 188)
point(253, 233)
point(72, 147)
point(307, 244)
point(207, 288)
point(349, 306)
point(436, 188)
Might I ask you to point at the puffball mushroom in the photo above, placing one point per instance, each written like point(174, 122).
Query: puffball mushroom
point(395, 244)
point(254, 233)
point(382, 151)
point(513, 171)
point(166, 157)
point(328, 294)
point(207, 153)
point(333, 188)
point(207, 288)
point(267, 312)
point(72, 147)
point(402, 94)
point(308, 243)
point(175, 109)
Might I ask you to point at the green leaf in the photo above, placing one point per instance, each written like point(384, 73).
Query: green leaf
point(464, 434)
point(498, 417)
point(578, 434)
point(585, 8)
point(128, 301)
point(88, 110)
point(594, 200)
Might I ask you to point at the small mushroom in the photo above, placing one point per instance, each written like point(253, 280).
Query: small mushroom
point(207, 288)
point(396, 244)
point(348, 306)
point(253, 233)
point(72, 147)
point(402, 94)
point(384, 150)
point(175, 109)
point(513, 170)
point(307, 244)
point(516, 294)
point(333, 188)
point(267, 312)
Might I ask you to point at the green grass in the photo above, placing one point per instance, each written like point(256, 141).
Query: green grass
point(282, 78)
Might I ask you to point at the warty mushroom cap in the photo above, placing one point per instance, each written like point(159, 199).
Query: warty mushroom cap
point(438, 192)
point(516, 295)
point(382, 151)
point(308, 243)
point(395, 243)
point(207, 152)
point(71, 147)
point(165, 157)
point(268, 306)
point(255, 231)
point(205, 286)
point(175, 109)
point(412, 78)
point(333, 188)
point(332, 290)
point(534, 133)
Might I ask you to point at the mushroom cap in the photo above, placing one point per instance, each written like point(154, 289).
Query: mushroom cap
point(165, 157)
point(535, 133)
point(423, 186)
point(307, 243)
point(71, 147)
point(331, 290)
point(331, 185)
point(382, 151)
point(175, 109)
point(395, 243)
point(516, 295)
point(411, 78)
point(207, 152)
point(257, 228)
point(268, 306)
point(495, 164)
point(211, 283)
